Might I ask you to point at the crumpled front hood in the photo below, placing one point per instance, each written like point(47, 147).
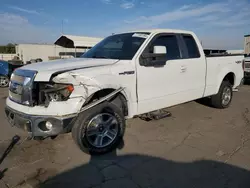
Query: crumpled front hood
point(46, 69)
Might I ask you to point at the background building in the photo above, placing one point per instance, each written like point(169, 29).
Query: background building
point(66, 46)
point(235, 51)
point(46, 52)
point(247, 44)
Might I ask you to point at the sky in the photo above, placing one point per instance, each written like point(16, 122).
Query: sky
point(218, 24)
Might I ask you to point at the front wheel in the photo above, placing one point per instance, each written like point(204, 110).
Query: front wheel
point(100, 129)
point(224, 97)
point(4, 81)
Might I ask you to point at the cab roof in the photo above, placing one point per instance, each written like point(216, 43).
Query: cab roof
point(156, 31)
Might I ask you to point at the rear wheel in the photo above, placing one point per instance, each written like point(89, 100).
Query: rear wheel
point(99, 129)
point(224, 97)
point(4, 81)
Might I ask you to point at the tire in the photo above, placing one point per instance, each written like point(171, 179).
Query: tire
point(4, 81)
point(120, 101)
point(217, 100)
point(81, 128)
point(246, 81)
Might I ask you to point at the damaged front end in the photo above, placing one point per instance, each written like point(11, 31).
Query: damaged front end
point(54, 105)
point(50, 109)
point(52, 92)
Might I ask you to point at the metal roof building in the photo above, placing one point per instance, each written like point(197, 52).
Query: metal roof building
point(71, 41)
point(66, 46)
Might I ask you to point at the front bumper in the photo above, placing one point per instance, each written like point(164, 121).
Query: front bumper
point(35, 125)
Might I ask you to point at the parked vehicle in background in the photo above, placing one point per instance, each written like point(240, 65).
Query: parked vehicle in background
point(6, 69)
point(39, 60)
point(15, 62)
point(246, 66)
point(34, 61)
point(123, 76)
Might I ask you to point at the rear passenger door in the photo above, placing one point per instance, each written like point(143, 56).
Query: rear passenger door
point(193, 68)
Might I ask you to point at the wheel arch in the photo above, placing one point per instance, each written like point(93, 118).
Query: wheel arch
point(121, 96)
point(226, 76)
point(230, 77)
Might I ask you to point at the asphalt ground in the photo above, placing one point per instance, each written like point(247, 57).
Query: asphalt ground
point(198, 146)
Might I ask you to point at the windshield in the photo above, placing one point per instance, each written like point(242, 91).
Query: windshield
point(121, 46)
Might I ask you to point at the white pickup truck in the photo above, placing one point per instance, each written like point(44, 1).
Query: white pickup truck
point(124, 76)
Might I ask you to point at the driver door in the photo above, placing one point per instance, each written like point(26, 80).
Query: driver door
point(161, 86)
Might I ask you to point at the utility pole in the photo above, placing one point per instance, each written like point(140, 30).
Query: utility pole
point(62, 27)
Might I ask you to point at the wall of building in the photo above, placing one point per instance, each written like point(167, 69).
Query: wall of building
point(235, 51)
point(247, 44)
point(26, 52)
point(7, 57)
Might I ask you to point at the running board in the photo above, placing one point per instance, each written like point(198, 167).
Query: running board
point(155, 115)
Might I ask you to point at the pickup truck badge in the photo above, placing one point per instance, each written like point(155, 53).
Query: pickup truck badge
point(127, 72)
point(238, 62)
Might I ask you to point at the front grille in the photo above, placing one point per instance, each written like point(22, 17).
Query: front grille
point(21, 86)
point(247, 64)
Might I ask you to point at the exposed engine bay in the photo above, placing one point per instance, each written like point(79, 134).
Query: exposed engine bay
point(44, 93)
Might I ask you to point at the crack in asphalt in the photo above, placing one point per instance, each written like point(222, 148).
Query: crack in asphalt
point(245, 118)
point(184, 139)
point(6, 184)
point(237, 149)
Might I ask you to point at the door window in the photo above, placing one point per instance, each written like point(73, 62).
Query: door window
point(171, 44)
point(192, 48)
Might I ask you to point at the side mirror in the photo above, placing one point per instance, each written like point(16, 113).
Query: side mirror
point(156, 59)
point(160, 50)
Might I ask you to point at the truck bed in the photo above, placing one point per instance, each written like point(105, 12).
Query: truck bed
point(221, 64)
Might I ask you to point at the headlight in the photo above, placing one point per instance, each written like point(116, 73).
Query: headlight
point(55, 92)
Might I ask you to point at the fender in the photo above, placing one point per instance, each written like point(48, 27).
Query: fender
point(86, 86)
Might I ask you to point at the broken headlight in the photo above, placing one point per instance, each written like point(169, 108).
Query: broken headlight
point(54, 92)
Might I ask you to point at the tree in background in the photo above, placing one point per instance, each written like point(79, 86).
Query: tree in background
point(8, 49)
